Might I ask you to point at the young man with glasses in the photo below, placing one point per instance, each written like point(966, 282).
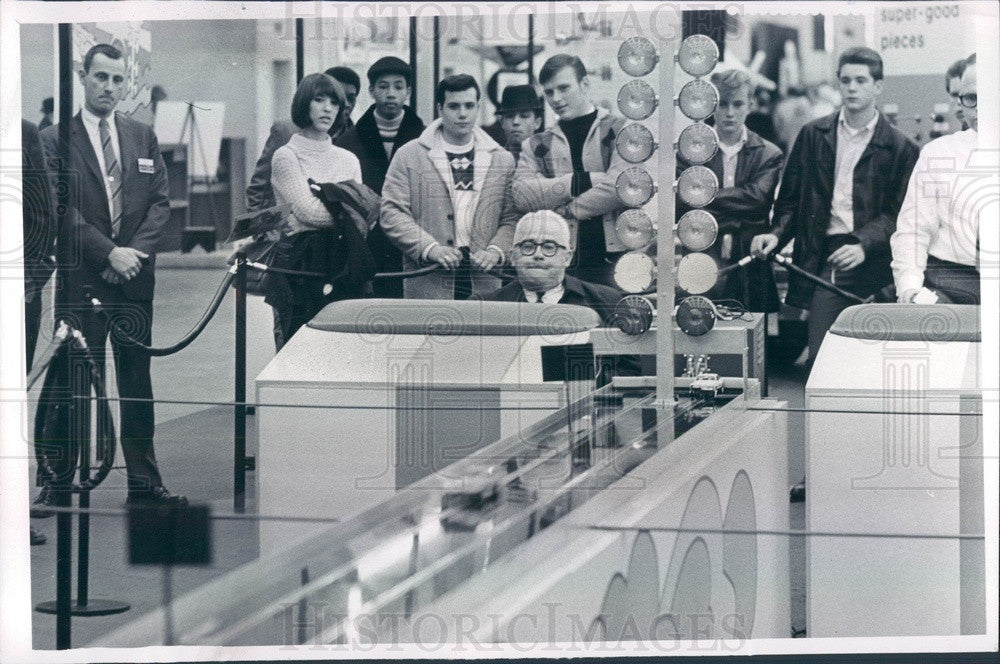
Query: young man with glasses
point(935, 249)
point(952, 84)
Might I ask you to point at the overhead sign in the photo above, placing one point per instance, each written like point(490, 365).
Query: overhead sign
point(922, 38)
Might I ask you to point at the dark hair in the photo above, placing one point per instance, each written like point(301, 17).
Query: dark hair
point(104, 49)
point(956, 70)
point(862, 55)
point(558, 62)
point(48, 105)
point(345, 75)
point(312, 86)
point(390, 65)
point(455, 83)
point(733, 79)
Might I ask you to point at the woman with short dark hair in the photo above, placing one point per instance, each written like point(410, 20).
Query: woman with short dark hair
point(309, 155)
point(316, 107)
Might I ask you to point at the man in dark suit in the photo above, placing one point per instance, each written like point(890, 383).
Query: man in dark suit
point(387, 125)
point(117, 210)
point(540, 255)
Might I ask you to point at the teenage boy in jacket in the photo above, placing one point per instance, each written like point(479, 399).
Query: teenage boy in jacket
point(387, 125)
point(840, 194)
point(446, 199)
point(748, 168)
point(571, 169)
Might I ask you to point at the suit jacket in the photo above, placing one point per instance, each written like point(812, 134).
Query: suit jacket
point(417, 210)
point(145, 207)
point(38, 222)
point(742, 211)
point(598, 297)
point(259, 193)
point(366, 144)
point(802, 210)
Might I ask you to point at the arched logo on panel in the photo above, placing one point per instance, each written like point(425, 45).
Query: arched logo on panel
point(709, 589)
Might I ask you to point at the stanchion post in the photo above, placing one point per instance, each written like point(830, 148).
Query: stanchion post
point(64, 573)
point(240, 391)
point(83, 520)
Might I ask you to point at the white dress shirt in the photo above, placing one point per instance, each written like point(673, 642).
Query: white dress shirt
point(851, 143)
point(551, 296)
point(940, 213)
point(91, 123)
point(730, 154)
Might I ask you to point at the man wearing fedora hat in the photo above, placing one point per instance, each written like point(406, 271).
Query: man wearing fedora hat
point(520, 112)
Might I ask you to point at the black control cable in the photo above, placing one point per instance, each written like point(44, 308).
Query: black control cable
point(787, 263)
point(66, 337)
point(185, 341)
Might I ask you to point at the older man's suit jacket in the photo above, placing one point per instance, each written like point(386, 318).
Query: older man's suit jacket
point(145, 206)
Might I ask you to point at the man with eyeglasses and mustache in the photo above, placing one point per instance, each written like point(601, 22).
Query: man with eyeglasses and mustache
point(935, 249)
point(540, 255)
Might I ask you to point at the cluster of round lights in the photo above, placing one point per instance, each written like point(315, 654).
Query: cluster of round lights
point(697, 185)
point(635, 271)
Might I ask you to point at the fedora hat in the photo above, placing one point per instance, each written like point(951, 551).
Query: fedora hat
point(519, 98)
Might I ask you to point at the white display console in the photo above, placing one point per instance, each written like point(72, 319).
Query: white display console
point(375, 394)
point(894, 446)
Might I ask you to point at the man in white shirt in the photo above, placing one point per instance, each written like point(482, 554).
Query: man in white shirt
point(117, 213)
point(935, 249)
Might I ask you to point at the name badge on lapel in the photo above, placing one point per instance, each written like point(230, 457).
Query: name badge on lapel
point(146, 166)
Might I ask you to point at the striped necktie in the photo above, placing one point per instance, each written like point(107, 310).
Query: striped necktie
point(114, 171)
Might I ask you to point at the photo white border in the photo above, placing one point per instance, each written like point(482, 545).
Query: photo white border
point(15, 586)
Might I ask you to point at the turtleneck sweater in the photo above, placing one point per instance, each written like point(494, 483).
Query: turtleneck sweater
point(292, 166)
point(388, 129)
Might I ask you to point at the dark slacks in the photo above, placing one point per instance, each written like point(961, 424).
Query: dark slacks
point(825, 305)
point(958, 283)
point(864, 280)
point(132, 367)
point(32, 323)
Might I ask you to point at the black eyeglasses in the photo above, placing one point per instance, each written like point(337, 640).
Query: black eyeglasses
point(549, 248)
point(968, 100)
